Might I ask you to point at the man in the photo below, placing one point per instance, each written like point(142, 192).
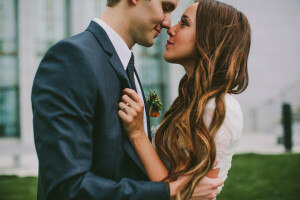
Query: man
point(82, 148)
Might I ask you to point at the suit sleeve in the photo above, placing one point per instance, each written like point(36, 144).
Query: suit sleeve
point(63, 101)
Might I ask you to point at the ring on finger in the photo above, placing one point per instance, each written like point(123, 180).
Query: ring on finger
point(127, 104)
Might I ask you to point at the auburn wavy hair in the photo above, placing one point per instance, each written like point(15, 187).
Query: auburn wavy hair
point(223, 38)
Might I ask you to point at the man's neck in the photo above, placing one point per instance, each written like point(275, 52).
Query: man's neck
point(111, 17)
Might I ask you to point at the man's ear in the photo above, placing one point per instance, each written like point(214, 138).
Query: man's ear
point(133, 2)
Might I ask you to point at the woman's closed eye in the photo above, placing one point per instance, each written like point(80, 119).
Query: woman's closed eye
point(183, 23)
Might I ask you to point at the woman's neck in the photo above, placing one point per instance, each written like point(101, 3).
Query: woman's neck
point(189, 68)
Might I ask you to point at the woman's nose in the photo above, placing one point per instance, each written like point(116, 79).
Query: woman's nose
point(171, 31)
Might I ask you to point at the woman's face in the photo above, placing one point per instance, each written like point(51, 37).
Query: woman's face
point(181, 45)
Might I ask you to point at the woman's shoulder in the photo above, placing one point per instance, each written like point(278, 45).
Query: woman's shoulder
point(232, 105)
point(233, 116)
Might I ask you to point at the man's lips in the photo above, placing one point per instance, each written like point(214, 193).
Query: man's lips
point(169, 43)
point(156, 32)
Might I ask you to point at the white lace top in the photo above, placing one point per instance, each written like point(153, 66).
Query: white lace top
point(227, 138)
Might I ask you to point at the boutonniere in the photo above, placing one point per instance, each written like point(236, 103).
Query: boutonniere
point(154, 103)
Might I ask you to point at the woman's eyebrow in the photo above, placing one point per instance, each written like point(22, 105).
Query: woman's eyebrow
point(186, 17)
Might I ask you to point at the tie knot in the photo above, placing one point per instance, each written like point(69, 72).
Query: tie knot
point(131, 61)
point(130, 71)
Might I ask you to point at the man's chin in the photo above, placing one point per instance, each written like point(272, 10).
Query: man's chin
point(146, 43)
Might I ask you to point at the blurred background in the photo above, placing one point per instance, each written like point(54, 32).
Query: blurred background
point(29, 27)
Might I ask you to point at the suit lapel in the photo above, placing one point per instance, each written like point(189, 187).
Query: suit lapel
point(118, 67)
point(106, 44)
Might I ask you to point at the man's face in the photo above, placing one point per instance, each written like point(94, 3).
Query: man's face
point(150, 17)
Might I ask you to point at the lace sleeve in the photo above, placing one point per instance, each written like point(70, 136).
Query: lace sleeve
point(153, 131)
point(227, 138)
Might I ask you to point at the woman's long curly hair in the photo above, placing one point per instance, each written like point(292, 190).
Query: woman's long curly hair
point(223, 38)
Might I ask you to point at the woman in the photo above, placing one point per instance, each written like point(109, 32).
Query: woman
point(204, 123)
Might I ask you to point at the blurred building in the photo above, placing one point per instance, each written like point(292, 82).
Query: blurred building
point(29, 27)
point(274, 63)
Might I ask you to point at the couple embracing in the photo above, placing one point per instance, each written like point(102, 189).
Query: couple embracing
point(91, 121)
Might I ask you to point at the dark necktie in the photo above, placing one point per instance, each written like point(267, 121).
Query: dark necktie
point(130, 71)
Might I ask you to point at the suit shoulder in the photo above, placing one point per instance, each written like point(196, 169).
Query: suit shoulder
point(67, 53)
point(73, 43)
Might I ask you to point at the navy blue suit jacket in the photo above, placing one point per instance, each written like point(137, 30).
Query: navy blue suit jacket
point(82, 148)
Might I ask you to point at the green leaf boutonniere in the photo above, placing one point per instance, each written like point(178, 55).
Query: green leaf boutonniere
point(154, 103)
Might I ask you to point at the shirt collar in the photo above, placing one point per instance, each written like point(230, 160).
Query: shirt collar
point(120, 46)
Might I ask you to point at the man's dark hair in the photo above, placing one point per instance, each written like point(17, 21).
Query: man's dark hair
point(112, 3)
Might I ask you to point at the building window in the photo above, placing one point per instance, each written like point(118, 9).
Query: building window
point(53, 24)
point(9, 84)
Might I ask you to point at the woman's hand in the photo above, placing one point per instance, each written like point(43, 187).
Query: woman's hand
point(132, 113)
point(206, 189)
point(214, 172)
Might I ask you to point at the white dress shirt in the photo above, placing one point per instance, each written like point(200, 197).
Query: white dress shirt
point(124, 54)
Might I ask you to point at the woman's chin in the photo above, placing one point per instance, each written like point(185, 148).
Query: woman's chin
point(169, 58)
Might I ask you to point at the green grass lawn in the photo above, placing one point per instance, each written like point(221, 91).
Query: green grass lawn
point(15, 188)
point(263, 177)
point(252, 177)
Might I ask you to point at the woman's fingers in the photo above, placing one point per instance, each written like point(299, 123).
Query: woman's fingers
point(133, 95)
point(131, 112)
point(207, 187)
point(124, 107)
point(124, 117)
point(137, 106)
point(127, 100)
point(131, 106)
point(127, 109)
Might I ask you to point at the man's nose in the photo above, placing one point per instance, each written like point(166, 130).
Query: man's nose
point(166, 23)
